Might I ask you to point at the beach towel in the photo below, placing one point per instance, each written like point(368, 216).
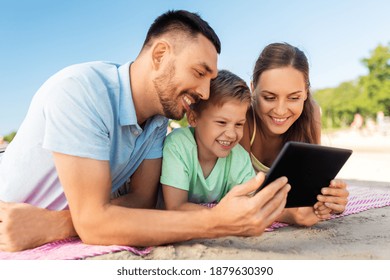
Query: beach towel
point(70, 249)
point(360, 199)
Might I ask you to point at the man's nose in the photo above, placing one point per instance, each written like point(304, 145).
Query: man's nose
point(204, 90)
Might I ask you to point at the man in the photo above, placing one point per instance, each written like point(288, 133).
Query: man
point(93, 126)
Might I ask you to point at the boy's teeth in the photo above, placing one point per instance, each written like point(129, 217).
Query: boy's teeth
point(225, 143)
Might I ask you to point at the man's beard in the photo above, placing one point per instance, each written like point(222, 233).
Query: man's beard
point(166, 91)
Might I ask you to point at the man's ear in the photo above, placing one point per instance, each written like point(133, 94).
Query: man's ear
point(160, 50)
point(191, 118)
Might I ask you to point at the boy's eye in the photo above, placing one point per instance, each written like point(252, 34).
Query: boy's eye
point(221, 122)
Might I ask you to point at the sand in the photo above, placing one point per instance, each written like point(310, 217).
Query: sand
point(361, 236)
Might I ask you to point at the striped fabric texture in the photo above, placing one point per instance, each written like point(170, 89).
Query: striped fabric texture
point(360, 199)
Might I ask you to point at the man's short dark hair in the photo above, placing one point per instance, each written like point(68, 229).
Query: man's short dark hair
point(184, 21)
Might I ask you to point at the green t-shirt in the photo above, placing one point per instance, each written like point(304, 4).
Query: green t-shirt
point(181, 168)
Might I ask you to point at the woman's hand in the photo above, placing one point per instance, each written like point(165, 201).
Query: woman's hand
point(333, 200)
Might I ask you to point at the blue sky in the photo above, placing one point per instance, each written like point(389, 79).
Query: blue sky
point(38, 38)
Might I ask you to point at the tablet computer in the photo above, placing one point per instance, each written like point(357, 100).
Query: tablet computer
point(308, 167)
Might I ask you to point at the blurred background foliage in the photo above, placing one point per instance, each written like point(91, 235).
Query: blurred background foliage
point(367, 95)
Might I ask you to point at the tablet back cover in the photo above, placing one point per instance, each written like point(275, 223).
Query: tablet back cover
point(308, 167)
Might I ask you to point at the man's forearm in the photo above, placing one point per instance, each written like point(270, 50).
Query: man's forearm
point(189, 206)
point(60, 225)
point(143, 227)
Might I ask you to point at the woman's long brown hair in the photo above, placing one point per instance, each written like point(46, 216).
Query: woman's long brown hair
point(279, 55)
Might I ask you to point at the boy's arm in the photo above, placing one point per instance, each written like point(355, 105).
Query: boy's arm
point(177, 199)
point(143, 186)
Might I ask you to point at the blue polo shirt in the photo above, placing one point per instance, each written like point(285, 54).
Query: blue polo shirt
point(84, 110)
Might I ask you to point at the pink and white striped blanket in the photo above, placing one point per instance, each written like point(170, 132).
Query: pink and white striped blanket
point(361, 199)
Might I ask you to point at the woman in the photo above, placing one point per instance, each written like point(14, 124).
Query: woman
point(283, 110)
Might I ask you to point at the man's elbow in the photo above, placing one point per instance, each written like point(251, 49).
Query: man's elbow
point(91, 230)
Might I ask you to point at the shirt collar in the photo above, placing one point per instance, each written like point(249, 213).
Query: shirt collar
point(127, 115)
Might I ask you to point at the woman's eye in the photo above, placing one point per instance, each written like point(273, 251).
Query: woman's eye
point(269, 98)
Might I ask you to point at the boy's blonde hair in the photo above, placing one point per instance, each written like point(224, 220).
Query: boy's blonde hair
point(225, 87)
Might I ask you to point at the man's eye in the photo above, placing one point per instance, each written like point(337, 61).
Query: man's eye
point(200, 74)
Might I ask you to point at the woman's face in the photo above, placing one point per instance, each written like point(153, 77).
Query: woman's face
point(280, 96)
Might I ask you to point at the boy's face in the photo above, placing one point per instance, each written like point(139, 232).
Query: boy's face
point(218, 129)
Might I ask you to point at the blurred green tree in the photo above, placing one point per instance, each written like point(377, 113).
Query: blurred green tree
point(366, 95)
point(376, 85)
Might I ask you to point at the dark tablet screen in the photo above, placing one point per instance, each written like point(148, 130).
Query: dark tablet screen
point(308, 167)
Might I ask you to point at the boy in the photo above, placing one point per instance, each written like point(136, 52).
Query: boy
point(203, 162)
